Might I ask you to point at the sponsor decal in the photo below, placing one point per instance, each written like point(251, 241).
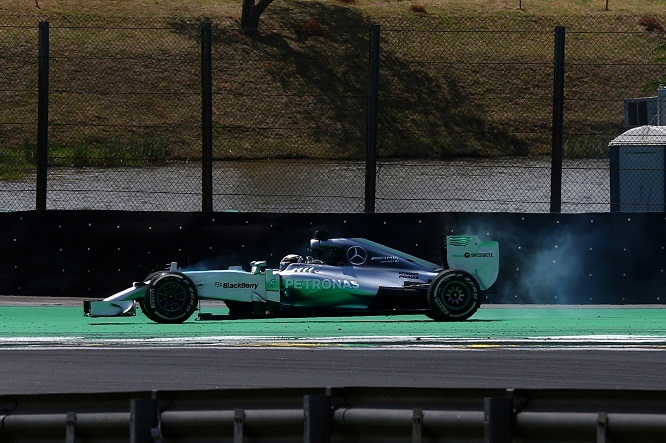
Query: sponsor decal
point(325, 283)
point(442, 306)
point(242, 285)
point(356, 255)
point(478, 254)
point(409, 275)
point(386, 259)
point(151, 298)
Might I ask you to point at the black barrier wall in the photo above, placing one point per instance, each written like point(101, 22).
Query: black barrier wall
point(616, 258)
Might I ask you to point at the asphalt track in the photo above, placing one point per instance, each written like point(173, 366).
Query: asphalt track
point(49, 346)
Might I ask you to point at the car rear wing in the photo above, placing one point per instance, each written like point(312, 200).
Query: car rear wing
point(479, 258)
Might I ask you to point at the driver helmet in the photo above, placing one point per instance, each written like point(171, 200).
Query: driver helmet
point(289, 259)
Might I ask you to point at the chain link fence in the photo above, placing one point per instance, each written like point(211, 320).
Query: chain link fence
point(18, 121)
point(607, 62)
point(465, 112)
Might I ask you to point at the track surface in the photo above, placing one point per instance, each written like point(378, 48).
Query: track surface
point(50, 347)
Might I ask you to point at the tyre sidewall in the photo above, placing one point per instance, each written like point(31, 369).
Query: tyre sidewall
point(142, 304)
point(158, 308)
point(147, 312)
point(444, 309)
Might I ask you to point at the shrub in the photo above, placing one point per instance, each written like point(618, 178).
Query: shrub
point(417, 8)
point(311, 28)
point(650, 24)
point(139, 150)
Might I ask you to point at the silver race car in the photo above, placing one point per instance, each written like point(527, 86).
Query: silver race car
point(343, 276)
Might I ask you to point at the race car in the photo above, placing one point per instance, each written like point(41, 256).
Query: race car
point(343, 276)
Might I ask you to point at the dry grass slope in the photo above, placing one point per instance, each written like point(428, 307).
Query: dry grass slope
point(125, 76)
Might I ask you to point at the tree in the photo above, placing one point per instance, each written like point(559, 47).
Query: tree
point(251, 13)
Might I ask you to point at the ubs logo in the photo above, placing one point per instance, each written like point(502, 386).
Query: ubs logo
point(478, 254)
point(356, 255)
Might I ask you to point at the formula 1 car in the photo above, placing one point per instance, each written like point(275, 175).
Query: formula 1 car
point(344, 276)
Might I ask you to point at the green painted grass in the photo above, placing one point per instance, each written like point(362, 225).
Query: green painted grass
point(490, 323)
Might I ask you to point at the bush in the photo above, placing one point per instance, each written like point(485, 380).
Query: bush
point(140, 150)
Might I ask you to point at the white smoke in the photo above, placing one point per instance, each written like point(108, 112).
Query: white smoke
point(551, 272)
point(546, 269)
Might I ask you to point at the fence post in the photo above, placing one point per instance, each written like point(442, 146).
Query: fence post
point(614, 179)
point(317, 418)
point(371, 137)
point(206, 118)
point(144, 420)
point(558, 122)
point(70, 430)
point(239, 425)
point(498, 418)
point(42, 114)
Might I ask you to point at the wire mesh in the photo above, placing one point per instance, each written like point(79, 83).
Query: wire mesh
point(472, 97)
point(607, 62)
point(465, 112)
point(18, 123)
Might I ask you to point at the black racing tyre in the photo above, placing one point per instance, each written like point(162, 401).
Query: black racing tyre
point(453, 295)
point(148, 313)
point(142, 303)
point(171, 297)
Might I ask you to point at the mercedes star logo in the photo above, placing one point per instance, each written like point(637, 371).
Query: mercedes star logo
point(356, 255)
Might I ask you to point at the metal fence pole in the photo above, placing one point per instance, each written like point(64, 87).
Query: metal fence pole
point(498, 417)
point(317, 419)
point(70, 429)
point(558, 122)
point(417, 425)
point(239, 425)
point(614, 178)
point(206, 118)
point(143, 419)
point(373, 107)
point(42, 114)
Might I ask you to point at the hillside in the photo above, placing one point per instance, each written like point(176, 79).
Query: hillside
point(374, 8)
point(457, 77)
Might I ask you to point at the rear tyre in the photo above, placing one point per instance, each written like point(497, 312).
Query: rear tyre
point(453, 295)
point(170, 298)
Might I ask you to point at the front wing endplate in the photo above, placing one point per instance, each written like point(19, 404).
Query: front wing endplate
point(123, 308)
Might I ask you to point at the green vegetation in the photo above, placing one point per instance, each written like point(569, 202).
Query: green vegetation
point(12, 165)
point(586, 146)
point(661, 58)
point(458, 78)
point(140, 150)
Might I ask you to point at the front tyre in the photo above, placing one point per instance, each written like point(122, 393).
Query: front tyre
point(142, 303)
point(170, 298)
point(453, 295)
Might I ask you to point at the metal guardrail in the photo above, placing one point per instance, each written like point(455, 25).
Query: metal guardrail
point(337, 414)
